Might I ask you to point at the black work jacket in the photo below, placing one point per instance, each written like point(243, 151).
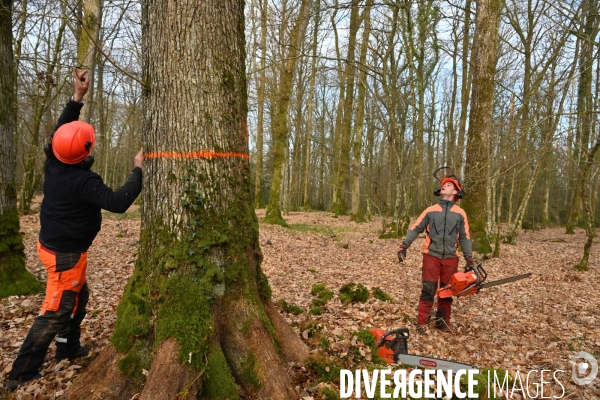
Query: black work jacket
point(70, 215)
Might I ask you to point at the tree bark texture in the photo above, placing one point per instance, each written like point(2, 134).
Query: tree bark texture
point(485, 46)
point(14, 278)
point(196, 313)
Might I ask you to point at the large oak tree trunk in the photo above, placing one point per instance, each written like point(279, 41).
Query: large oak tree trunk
point(14, 278)
point(196, 313)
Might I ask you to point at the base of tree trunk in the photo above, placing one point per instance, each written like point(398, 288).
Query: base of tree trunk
point(102, 379)
point(339, 208)
point(237, 362)
point(15, 280)
point(358, 217)
point(168, 378)
point(274, 217)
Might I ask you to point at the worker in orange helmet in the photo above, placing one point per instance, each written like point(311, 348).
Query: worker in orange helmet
point(70, 218)
point(445, 225)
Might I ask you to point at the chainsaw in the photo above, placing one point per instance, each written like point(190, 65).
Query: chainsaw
point(471, 282)
point(392, 346)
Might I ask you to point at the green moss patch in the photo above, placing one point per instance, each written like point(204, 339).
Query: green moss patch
point(380, 294)
point(218, 382)
point(135, 362)
point(367, 338)
point(315, 311)
point(185, 315)
point(250, 370)
point(317, 288)
point(354, 293)
point(330, 394)
point(324, 368)
point(290, 308)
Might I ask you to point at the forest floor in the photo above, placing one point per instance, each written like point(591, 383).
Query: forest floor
point(536, 323)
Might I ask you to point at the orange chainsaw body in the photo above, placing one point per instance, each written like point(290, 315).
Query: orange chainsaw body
point(384, 352)
point(457, 285)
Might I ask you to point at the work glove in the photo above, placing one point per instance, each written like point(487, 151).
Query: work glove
point(402, 253)
point(470, 264)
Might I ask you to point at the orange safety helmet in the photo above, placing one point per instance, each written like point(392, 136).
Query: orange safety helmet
point(453, 181)
point(73, 142)
point(444, 175)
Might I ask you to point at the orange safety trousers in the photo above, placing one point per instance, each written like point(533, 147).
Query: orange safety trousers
point(66, 271)
point(62, 312)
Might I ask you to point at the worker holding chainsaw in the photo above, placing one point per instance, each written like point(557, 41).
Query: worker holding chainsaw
point(70, 218)
point(445, 225)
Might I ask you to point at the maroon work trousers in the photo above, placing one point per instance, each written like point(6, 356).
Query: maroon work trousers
point(436, 273)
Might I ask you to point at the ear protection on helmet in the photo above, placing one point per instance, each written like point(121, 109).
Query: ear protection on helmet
point(447, 173)
point(89, 160)
point(48, 150)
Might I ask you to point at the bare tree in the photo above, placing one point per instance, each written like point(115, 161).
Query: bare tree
point(485, 57)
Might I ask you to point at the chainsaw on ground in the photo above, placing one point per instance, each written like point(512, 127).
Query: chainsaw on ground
point(471, 282)
point(392, 346)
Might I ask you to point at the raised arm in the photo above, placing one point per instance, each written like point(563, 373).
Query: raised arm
point(72, 109)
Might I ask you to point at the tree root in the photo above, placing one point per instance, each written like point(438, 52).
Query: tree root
point(292, 347)
point(168, 378)
point(102, 380)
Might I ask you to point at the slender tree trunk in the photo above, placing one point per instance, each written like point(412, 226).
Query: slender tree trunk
point(451, 148)
point(280, 117)
point(311, 104)
point(587, 197)
point(14, 278)
point(261, 104)
point(198, 296)
point(357, 214)
point(322, 158)
point(295, 192)
point(584, 109)
point(340, 206)
point(485, 56)
point(336, 139)
point(87, 51)
point(467, 74)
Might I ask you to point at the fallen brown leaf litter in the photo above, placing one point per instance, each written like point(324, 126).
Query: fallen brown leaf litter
point(537, 323)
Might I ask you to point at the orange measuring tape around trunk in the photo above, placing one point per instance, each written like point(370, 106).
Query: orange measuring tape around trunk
point(195, 154)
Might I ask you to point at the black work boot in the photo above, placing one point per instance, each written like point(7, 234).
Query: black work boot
point(422, 330)
point(441, 323)
point(80, 352)
point(13, 385)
